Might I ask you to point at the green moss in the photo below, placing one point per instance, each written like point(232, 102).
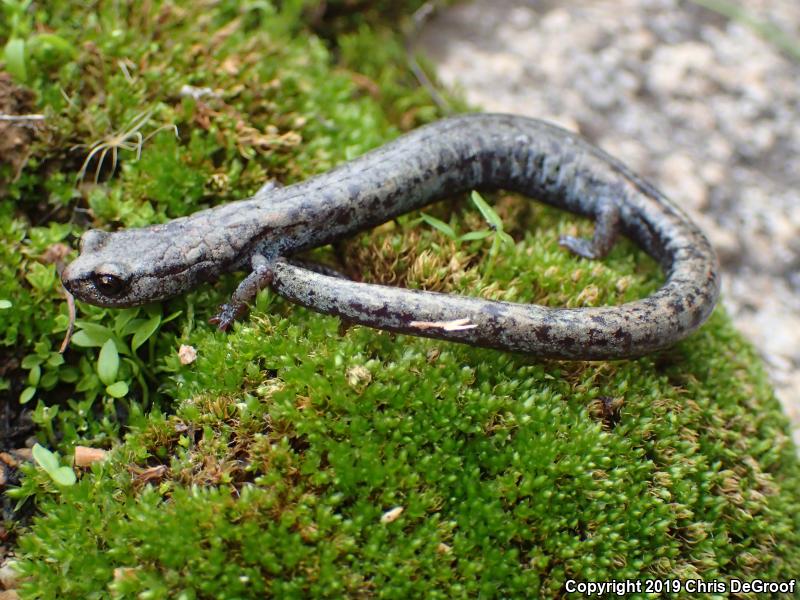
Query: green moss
point(277, 462)
point(291, 442)
point(277, 108)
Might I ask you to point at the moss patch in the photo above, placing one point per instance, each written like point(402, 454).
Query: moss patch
point(298, 456)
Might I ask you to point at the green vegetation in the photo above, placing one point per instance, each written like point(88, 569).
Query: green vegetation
point(299, 457)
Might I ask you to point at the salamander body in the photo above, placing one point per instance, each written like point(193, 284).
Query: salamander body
point(479, 151)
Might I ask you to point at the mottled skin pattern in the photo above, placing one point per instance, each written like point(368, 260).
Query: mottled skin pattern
point(481, 151)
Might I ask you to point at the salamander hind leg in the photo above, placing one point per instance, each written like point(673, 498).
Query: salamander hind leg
point(606, 230)
point(259, 278)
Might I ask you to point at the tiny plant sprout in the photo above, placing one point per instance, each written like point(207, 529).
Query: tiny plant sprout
point(62, 475)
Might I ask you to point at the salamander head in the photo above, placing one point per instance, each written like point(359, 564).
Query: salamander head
point(136, 266)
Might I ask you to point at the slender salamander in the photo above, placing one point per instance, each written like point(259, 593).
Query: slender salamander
point(479, 151)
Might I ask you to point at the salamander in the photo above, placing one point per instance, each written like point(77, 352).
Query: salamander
point(261, 234)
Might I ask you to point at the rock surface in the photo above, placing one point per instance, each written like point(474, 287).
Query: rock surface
point(700, 104)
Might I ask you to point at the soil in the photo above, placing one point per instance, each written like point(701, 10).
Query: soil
point(15, 136)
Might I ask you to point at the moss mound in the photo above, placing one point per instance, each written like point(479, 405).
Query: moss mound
point(300, 457)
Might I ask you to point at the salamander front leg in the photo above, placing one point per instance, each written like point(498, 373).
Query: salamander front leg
point(259, 278)
point(606, 230)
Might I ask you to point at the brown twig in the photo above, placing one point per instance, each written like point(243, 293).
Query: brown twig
point(5, 117)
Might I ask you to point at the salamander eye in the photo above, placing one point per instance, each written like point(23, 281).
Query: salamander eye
point(108, 284)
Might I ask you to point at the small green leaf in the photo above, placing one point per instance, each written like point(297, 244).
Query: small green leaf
point(83, 340)
point(55, 359)
point(487, 211)
point(505, 238)
point(5, 304)
point(131, 327)
point(174, 315)
point(26, 395)
point(145, 331)
point(123, 318)
point(30, 361)
point(90, 334)
point(48, 380)
point(439, 225)
point(41, 277)
point(475, 235)
point(69, 374)
point(14, 55)
point(108, 362)
point(44, 458)
point(50, 463)
point(88, 382)
point(34, 375)
point(63, 475)
point(117, 389)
